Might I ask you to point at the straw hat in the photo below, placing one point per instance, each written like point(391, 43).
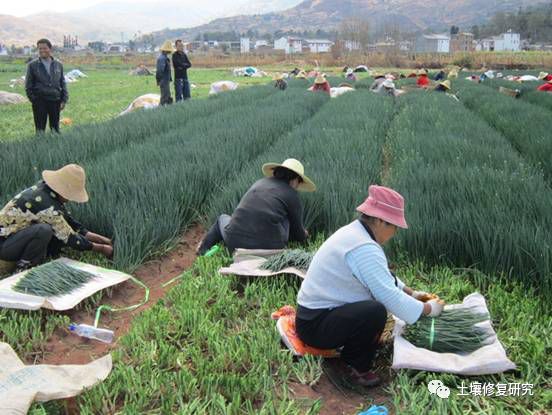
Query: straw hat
point(167, 47)
point(543, 75)
point(388, 83)
point(278, 77)
point(320, 80)
point(68, 182)
point(295, 166)
point(445, 84)
point(301, 75)
point(385, 204)
point(378, 75)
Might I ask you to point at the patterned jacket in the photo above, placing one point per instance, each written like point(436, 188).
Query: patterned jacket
point(40, 204)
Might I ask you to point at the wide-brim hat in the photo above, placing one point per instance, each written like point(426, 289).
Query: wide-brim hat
point(388, 83)
point(445, 84)
point(320, 80)
point(543, 75)
point(69, 182)
point(167, 47)
point(301, 75)
point(385, 204)
point(295, 166)
point(278, 77)
point(378, 75)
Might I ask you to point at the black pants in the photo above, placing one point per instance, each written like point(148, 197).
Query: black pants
point(31, 244)
point(215, 234)
point(165, 88)
point(44, 110)
point(356, 327)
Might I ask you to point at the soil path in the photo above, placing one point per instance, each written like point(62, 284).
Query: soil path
point(66, 348)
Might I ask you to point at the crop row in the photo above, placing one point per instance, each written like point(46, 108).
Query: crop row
point(528, 91)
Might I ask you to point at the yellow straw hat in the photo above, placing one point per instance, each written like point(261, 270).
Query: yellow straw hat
point(167, 47)
point(278, 77)
point(445, 84)
point(320, 80)
point(301, 75)
point(295, 166)
point(69, 182)
point(543, 75)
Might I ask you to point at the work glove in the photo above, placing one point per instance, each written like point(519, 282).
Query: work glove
point(437, 307)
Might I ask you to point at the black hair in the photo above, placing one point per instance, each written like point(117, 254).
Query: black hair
point(177, 41)
point(45, 42)
point(371, 219)
point(286, 175)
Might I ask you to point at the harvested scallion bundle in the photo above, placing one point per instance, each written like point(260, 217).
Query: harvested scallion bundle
point(452, 332)
point(52, 279)
point(296, 258)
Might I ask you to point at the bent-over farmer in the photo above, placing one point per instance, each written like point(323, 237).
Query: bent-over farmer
point(35, 223)
point(348, 290)
point(269, 215)
point(46, 88)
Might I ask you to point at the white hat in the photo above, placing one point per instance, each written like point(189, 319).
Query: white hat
point(388, 84)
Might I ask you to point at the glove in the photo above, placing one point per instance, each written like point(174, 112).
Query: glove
point(436, 307)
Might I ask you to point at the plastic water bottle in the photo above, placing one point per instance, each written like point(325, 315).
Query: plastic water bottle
point(91, 332)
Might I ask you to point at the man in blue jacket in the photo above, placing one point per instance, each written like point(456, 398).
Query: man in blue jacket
point(163, 74)
point(45, 87)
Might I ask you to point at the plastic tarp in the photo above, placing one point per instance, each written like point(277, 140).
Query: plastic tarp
point(22, 385)
point(489, 359)
point(248, 262)
point(104, 278)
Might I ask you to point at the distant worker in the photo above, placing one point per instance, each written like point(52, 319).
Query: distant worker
point(445, 87)
point(280, 82)
point(321, 84)
point(423, 79)
point(181, 64)
point(388, 88)
point(547, 87)
point(350, 75)
point(379, 79)
point(545, 76)
point(295, 71)
point(441, 75)
point(46, 88)
point(163, 74)
point(35, 223)
point(269, 215)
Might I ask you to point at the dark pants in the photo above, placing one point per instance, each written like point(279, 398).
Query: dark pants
point(44, 110)
point(356, 327)
point(31, 244)
point(181, 89)
point(165, 88)
point(215, 234)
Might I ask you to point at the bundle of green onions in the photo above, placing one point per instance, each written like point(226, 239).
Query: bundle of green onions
point(52, 279)
point(296, 258)
point(453, 331)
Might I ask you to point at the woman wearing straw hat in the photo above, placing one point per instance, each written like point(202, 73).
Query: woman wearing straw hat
point(35, 223)
point(321, 84)
point(423, 79)
point(280, 82)
point(443, 86)
point(348, 290)
point(163, 73)
point(269, 215)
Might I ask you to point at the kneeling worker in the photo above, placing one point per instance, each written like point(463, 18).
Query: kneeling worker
point(35, 223)
point(348, 290)
point(269, 215)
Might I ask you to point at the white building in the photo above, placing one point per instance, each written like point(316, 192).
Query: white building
point(433, 44)
point(351, 45)
point(3, 50)
point(289, 44)
point(117, 48)
point(507, 42)
point(261, 44)
point(245, 45)
point(319, 45)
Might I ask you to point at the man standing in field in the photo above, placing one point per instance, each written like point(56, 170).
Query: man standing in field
point(181, 64)
point(45, 87)
point(163, 73)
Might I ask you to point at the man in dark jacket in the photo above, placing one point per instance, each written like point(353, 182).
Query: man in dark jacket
point(181, 65)
point(45, 87)
point(269, 215)
point(163, 73)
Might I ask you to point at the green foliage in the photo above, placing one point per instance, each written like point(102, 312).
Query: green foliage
point(52, 279)
point(528, 91)
point(296, 258)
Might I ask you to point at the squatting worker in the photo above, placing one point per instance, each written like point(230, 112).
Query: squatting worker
point(181, 65)
point(45, 87)
point(348, 290)
point(321, 84)
point(163, 73)
point(280, 83)
point(36, 224)
point(269, 215)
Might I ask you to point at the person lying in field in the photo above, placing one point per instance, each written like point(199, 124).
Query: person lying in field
point(268, 216)
point(348, 291)
point(35, 223)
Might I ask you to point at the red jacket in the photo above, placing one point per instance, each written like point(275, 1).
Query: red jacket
point(322, 87)
point(423, 81)
point(546, 87)
point(548, 78)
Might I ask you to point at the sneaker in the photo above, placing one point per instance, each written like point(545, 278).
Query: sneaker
point(368, 379)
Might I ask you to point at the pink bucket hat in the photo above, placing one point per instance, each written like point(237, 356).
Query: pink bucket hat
point(385, 204)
